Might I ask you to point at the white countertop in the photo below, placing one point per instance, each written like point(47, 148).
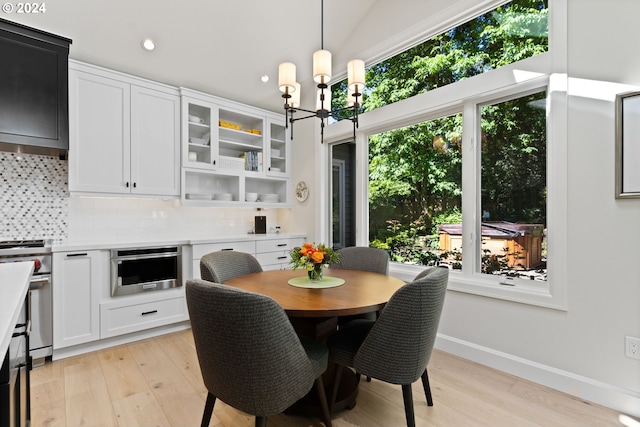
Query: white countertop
point(14, 284)
point(141, 243)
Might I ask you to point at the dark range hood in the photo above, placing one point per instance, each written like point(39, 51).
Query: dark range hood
point(34, 90)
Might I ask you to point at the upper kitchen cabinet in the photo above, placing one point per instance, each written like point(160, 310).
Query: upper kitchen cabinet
point(33, 90)
point(232, 154)
point(124, 134)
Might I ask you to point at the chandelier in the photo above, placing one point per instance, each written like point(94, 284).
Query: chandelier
point(322, 76)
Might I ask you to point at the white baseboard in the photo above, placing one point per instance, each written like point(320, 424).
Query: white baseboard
point(617, 398)
point(75, 350)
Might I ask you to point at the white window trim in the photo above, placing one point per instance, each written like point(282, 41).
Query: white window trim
point(548, 70)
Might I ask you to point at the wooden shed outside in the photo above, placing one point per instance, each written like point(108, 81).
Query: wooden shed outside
point(521, 243)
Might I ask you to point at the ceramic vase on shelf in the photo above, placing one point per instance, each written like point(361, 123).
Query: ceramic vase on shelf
point(315, 274)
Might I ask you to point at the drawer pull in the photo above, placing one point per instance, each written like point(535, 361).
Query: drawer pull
point(80, 254)
point(282, 257)
point(227, 249)
point(144, 313)
point(282, 244)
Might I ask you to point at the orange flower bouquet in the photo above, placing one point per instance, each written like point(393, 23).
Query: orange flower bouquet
point(313, 258)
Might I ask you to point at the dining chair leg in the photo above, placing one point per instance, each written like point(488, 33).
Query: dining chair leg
point(427, 388)
point(407, 394)
point(208, 410)
point(261, 421)
point(336, 386)
point(323, 401)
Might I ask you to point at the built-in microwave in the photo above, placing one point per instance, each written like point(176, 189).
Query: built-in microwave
point(145, 269)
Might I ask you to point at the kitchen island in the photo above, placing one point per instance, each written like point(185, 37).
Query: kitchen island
point(14, 285)
point(14, 345)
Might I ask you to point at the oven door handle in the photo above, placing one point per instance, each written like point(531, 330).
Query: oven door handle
point(39, 282)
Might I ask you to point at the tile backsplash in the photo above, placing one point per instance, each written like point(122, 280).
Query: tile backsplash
point(33, 197)
point(35, 204)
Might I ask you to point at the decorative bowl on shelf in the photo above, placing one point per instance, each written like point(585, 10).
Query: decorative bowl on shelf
point(195, 119)
point(251, 197)
point(227, 197)
point(197, 196)
point(268, 198)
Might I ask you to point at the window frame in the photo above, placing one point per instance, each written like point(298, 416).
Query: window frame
point(547, 70)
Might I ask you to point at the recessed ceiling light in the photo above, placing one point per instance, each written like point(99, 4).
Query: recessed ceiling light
point(148, 44)
point(264, 78)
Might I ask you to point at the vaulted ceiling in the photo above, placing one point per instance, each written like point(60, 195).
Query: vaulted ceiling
point(224, 47)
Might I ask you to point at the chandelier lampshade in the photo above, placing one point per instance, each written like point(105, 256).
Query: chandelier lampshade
point(287, 77)
point(322, 66)
point(355, 74)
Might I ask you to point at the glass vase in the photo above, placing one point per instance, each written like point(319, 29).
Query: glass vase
point(315, 274)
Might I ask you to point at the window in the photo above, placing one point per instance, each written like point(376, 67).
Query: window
point(513, 186)
point(507, 34)
point(415, 185)
point(491, 133)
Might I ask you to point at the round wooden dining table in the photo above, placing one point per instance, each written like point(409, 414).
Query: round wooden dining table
point(314, 313)
point(362, 292)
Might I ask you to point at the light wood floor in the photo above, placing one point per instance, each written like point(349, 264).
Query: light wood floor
point(157, 382)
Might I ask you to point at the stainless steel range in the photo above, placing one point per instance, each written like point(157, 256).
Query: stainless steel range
point(40, 302)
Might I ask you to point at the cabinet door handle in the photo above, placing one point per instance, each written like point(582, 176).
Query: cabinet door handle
point(144, 313)
point(135, 185)
point(74, 255)
point(127, 184)
point(213, 162)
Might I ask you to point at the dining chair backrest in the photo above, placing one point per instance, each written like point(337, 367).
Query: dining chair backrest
point(220, 266)
point(249, 353)
point(363, 258)
point(399, 345)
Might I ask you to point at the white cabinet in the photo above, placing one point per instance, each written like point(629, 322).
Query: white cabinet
point(273, 254)
point(135, 313)
point(124, 134)
point(78, 278)
point(229, 150)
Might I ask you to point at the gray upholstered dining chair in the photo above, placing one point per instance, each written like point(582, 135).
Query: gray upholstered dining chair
point(220, 266)
point(397, 346)
point(250, 356)
point(363, 258)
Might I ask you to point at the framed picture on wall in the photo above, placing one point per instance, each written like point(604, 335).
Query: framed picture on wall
point(628, 145)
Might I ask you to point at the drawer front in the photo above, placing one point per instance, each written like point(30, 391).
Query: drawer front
point(269, 258)
point(118, 320)
point(248, 247)
point(277, 245)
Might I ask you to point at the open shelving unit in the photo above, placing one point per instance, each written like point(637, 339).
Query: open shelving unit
point(231, 149)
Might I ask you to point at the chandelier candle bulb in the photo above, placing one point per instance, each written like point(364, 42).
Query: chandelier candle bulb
point(287, 77)
point(322, 66)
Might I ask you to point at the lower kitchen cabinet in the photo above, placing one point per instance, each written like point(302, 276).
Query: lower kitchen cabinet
point(274, 254)
point(124, 315)
point(78, 278)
